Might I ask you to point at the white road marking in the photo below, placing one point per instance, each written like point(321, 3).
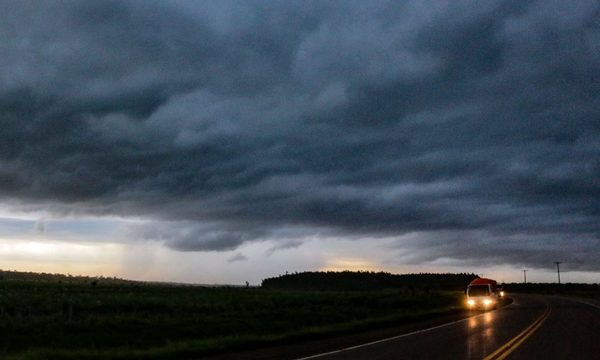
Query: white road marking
point(393, 337)
point(585, 302)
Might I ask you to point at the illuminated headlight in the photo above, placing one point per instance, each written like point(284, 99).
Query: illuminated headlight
point(501, 293)
point(471, 302)
point(487, 302)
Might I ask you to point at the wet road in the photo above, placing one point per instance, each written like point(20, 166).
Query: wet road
point(533, 327)
point(572, 331)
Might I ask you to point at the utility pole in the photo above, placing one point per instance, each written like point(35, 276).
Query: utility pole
point(524, 276)
point(558, 270)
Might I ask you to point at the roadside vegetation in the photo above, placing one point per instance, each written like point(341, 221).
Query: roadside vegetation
point(368, 281)
point(88, 318)
point(591, 291)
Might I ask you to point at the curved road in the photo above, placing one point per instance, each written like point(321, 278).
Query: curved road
point(532, 327)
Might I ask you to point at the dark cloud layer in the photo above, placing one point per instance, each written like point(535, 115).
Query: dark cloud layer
point(230, 122)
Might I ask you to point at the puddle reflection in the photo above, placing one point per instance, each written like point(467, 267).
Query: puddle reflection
point(480, 339)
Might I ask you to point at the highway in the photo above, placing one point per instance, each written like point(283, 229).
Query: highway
point(532, 327)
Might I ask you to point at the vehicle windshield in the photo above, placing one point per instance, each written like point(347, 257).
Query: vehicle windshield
point(478, 290)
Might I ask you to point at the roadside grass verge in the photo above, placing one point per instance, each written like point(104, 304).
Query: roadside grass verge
point(50, 321)
point(195, 348)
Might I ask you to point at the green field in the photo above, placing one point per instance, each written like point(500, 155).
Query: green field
point(62, 320)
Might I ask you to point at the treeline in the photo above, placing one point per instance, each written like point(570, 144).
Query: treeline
point(60, 278)
point(367, 280)
point(551, 288)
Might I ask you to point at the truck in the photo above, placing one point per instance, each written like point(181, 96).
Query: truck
point(484, 294)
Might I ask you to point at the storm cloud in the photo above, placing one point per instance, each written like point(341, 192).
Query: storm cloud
point(470, 125)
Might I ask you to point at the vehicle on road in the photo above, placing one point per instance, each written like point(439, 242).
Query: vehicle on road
point(483, 294)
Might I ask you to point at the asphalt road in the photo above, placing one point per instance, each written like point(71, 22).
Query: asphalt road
point(532, 327)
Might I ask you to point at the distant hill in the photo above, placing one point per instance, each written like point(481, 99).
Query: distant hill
point(366, 280)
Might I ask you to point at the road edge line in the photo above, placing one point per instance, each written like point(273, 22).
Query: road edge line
point(581, 302)
point(389, 338)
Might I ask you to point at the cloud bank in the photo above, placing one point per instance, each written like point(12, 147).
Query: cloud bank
point(225, 123)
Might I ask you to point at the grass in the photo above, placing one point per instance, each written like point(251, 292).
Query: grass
point(50, 320)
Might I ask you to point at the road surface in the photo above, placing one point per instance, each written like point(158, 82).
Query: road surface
point(532, 327)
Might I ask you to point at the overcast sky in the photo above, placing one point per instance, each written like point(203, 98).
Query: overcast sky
point(224, 141)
